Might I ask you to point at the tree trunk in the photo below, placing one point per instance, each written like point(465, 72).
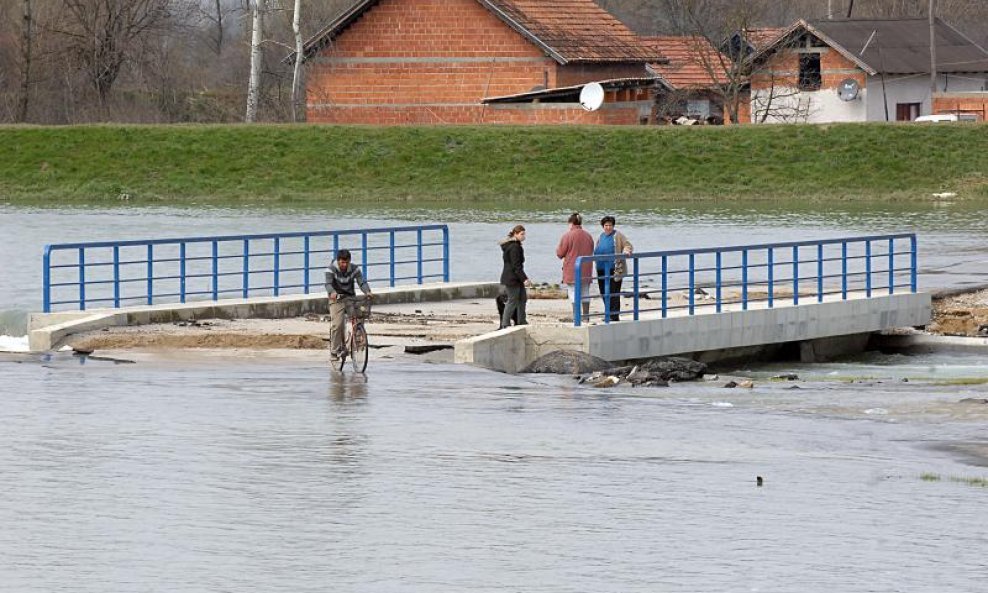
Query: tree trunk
point(27, 40)
point(256, 56)
point(218, 48)
point(298, 97)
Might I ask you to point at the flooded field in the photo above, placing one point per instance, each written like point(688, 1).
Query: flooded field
point(192, 472)
point(279, 475)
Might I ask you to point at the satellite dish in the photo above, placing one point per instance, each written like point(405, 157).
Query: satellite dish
point(848, 89)
point(592, 96)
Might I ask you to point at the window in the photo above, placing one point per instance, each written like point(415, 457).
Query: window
point(906, 111)
point(698, 108)
point(810, 78)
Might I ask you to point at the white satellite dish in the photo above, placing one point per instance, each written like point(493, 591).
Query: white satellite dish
point(848, 89)
point(592, 96)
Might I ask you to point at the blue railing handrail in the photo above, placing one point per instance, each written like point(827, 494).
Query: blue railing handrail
point(289, 254)
point(755, 247)
point(207, 239)
point(746, 266)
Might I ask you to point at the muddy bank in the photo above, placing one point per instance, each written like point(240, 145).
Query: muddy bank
point(960, 314)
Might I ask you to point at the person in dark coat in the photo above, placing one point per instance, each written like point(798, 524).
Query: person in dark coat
point(513, 277)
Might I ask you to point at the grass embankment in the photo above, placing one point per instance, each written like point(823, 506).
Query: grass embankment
point(309, 163)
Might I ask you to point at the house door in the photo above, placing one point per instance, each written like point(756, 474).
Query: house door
point(906, 111)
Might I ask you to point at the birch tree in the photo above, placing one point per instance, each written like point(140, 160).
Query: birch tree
point(298, 99)
point(256, 60)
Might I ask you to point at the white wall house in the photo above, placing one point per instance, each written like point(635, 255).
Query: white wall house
point(861, 70)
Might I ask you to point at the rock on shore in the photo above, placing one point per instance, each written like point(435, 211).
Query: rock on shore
point(656, 372)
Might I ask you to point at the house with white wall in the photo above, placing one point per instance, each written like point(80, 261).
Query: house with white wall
point(865, 70)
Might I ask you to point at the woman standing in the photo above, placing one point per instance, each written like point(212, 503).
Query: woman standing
point(610, 273)
point(513, 278)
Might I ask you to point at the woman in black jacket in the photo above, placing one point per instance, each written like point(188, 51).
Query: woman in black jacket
point(513, 278)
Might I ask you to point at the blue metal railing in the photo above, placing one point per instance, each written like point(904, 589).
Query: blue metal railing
point(148, 272)
point(755, 273)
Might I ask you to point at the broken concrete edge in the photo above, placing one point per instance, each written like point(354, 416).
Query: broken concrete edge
point(47, 330)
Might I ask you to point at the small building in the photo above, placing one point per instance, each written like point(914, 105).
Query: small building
point(436, 61)
point(699, 80)
point(864, 70)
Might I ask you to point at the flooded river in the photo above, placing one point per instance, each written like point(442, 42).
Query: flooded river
point(264, 473)
point(280, 475)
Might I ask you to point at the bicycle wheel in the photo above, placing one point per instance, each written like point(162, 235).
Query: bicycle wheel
point(358, 355)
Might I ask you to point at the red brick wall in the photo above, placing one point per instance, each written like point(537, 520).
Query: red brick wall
point(432, 61)
point(834, 68)
point(573, 74)
point(419, 56)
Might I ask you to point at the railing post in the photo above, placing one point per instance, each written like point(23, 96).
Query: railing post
point(771, 277)
point(391, 251)
point(607, 293)
point(891, 266)
point(216, 271)
point(116, 276)
point(181, 272)
point(819, 273)
point(46, 279)
point(868, 268)
point(336, 247)
point(578, 293)
point(418, 254)
point(843, 270)
point(912, 262)
point(692, 283)
point(246, 279)
point(795, 274)
point(82, 279)
point(277, 266)
point(150, 282)
point(665, 286)
point(445, 253)
point(717, 284)
point(306, 255)
point(635, 289)
point(363, 255)
point(744, 279)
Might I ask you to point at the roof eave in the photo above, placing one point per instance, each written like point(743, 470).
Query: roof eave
point(841, 50)
point(330, 31)
point(803, 24)
point(552, 53)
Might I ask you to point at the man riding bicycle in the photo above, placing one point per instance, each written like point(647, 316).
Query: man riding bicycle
point(342, 278)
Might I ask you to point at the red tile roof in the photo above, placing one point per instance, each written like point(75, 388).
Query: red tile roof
point(693, 62)
point(760, 38)
point(567, 30)
point(575, 30)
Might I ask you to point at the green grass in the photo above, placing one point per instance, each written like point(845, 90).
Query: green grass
point(979, 482)
point(316, 164)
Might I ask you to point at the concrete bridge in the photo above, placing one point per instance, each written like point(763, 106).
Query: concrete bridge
point(818, 298)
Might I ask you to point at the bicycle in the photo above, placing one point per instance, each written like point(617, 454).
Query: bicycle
point(355, 345)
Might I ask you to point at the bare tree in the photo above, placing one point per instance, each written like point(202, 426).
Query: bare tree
point(27, 42)
point(297, 95)
point(256, 59)
point(101, 34)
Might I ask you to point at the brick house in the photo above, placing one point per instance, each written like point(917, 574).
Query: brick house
point(699, 79)
point(865, 70)
point(435, 61)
